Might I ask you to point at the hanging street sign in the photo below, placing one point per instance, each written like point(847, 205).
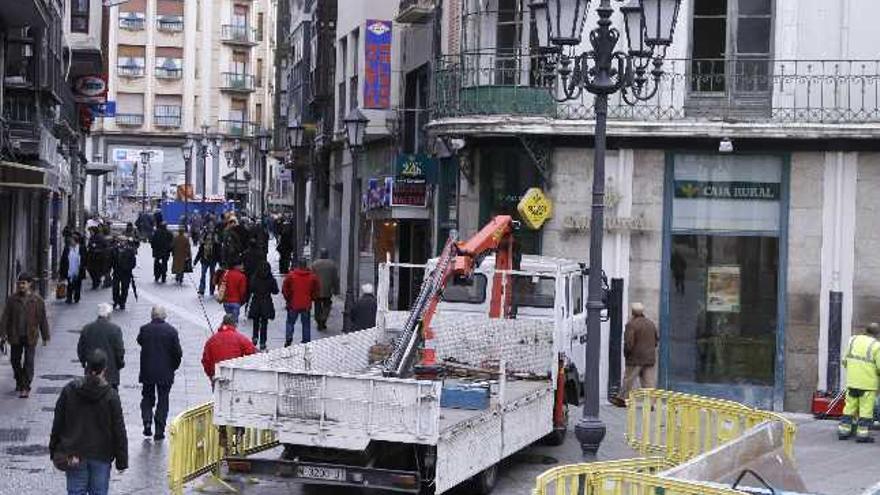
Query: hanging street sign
point(535, 208)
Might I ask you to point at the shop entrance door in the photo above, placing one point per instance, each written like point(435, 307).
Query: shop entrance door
point(415, 238)
point(723, 321)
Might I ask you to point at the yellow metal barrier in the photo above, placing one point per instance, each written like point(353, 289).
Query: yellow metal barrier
point(571, 479)
point(196, 447)
point(681, 426)
point(671, 428)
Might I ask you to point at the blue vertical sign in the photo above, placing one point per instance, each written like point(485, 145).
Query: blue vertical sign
point(377, 80)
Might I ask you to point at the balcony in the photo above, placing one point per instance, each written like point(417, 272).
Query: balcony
point(132, 23)
point(170, 24)
point(237, 128)
point(167, 116)
point(236, 82)
point(415, 11)
point(131, 71)
point(129, 119)
point(238, 35)
point(779, 91)
point(168, 73)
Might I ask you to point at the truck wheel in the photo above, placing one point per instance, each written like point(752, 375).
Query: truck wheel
point(484, 482)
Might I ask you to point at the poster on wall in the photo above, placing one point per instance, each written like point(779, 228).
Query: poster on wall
point(377, 71)
point(722, 289)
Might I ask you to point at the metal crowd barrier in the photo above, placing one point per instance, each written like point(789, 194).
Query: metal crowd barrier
point(681, 426)
point(577, 479)
point(668, 429)
point(197, 449)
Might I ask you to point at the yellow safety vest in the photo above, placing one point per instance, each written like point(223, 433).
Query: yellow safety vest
point(862, 363)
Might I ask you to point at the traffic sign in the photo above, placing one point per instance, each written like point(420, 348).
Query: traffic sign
point(535, 208)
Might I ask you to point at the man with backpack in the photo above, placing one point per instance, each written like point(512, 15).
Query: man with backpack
point(207, 257)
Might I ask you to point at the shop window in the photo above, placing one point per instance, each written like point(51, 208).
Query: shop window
point(724, 269)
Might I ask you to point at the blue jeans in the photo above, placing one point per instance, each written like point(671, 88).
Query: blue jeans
point(90, 478)
point(306, 318)
point(233, 309)
point(207, 267)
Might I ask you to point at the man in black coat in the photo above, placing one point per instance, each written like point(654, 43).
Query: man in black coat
point(161, 243)
point(88, 431)
point(124, 262)
point(363, 314)
point(98, 249)
point(285, 244)
point(104, 335)
point(160, 358)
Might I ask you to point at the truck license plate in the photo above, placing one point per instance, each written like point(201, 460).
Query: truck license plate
point(321, 473)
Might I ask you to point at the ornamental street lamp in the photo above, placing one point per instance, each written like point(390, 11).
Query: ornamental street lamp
point(204, 153)
point(263, 141)
point(233, 160)
point(146, 156)
point(355, 130)
point(602, 71)
point(295, 144)
point(187, 150)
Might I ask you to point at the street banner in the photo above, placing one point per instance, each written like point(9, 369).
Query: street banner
point(377, 81)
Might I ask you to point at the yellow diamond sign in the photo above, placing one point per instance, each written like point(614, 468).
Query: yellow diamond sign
point(535, 208)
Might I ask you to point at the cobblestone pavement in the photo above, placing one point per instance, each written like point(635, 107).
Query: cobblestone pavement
point(25, 431)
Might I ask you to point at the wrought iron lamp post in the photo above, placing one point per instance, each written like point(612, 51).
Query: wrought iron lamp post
point(146, 156)
point(355, 130)
point(187, 150)
point(602, 70)
point(233, 160)
point(263, 141)
point(295, 135)
point(204, 153)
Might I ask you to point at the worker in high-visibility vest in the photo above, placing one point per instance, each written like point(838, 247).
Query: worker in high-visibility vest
point(862, 363)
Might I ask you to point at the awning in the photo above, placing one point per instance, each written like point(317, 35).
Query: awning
point(21, 176)
point(98, 168)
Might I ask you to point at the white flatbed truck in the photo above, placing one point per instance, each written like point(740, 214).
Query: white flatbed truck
point(344, 422)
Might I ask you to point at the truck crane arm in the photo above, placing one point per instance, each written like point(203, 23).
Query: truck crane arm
point(458, 259)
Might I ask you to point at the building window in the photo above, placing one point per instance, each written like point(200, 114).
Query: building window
point(79, 16)
point(167, 111)
point(169, 62)
point(353, 90)
point(259, 113)
point(260, 26)
point(169, 16)
point(132, 15)
point(341, 95)
point(131, 61)
point(239, 63)
point(259, 73)
point(507, 42)
point(731, 49)
point(130, 109)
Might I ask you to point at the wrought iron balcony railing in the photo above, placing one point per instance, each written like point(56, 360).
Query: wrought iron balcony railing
point(235, 81)
point(168, 73)
point(166, 115)
point(170, 24)
point(237, 128)
point(130, 119)
point(239, 35)
point(132, 23)
point(130, 70)
point(784, 91)
point(415, 11)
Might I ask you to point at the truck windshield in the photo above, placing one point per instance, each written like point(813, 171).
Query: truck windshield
point(535, 292)
point(470, 292)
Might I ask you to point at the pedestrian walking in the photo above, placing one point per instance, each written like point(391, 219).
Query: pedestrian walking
point(107, 336)
point(640, 340)
point(162, 244)
point(195, 227)
point(363, 314)
point(182, 252)
point(285, 244)
point(261, 309)
point(124, 262)
point(253, 258)
point(72, 267)
point(862, 363)
point(207, 257)
point(235, 288)
point(160, 358)
point(328, 276)
point(23, 322)
point(144, 224)
point(88, 431)
point(300, 288)
point(98, 256)
point(226, 343)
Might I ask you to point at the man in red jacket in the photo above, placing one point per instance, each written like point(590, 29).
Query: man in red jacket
point(300, 289)
point(227, 343)
point(236, 290)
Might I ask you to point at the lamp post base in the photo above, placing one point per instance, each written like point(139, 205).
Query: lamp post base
point(590, 431)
